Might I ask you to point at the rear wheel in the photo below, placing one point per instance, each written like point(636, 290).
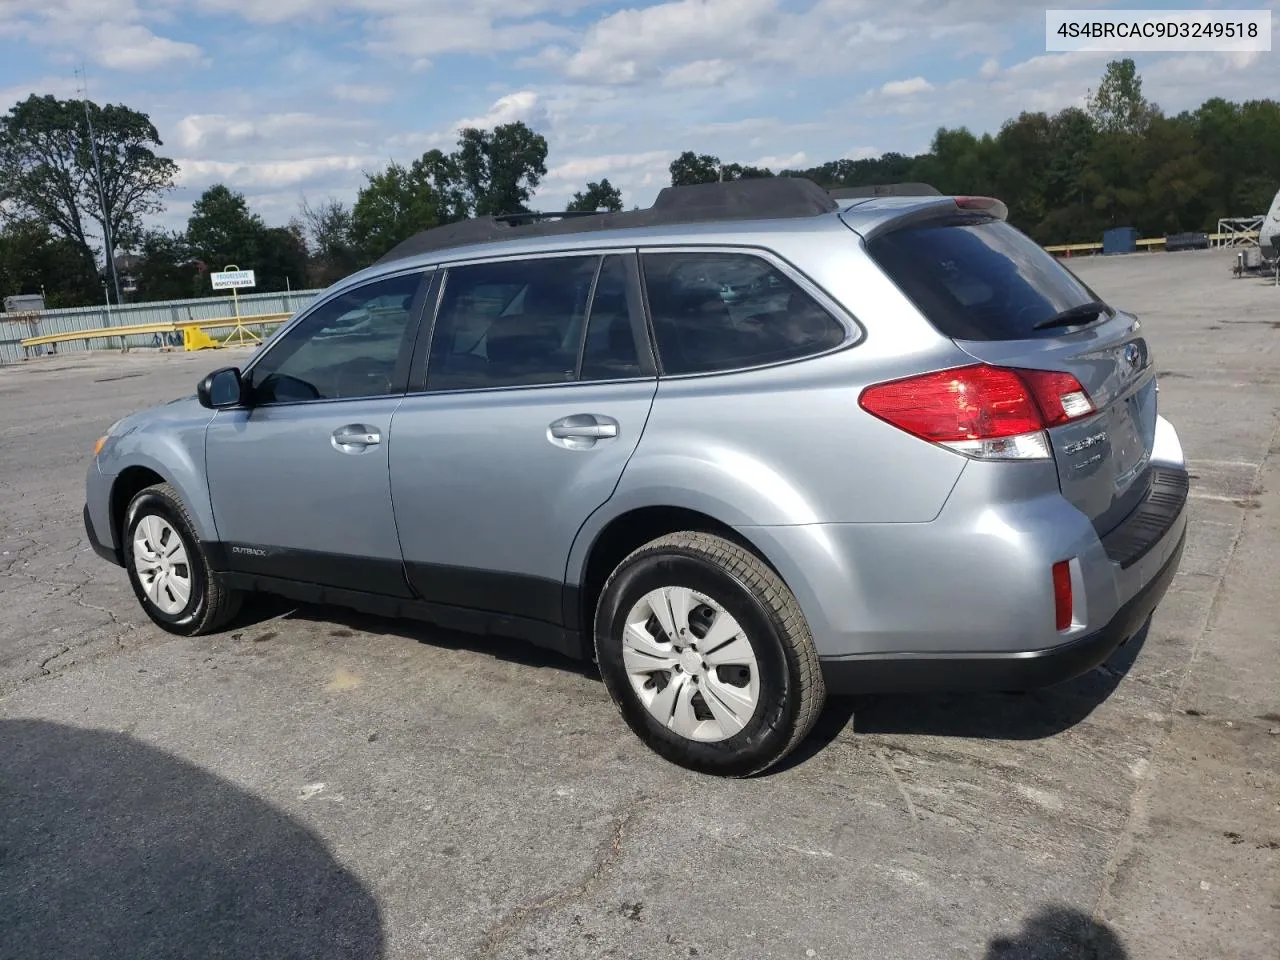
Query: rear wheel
point(168, 568)
point(706, 654)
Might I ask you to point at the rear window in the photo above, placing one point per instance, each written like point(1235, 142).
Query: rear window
point(979, 280)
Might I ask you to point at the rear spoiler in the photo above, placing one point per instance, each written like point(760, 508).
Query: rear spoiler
point(876, 215)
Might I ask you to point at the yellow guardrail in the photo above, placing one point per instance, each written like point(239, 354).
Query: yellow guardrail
point(1070, 248)
point(193, 338)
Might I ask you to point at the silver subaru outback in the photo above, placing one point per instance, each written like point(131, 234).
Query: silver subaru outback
point(746, 448)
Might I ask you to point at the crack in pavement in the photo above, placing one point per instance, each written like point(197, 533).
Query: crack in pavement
point(44, 664)
point(609, 855)
point(882, 756)
point(1138, 817)
point(73, 590)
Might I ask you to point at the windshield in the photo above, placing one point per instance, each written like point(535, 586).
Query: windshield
point(979, 279)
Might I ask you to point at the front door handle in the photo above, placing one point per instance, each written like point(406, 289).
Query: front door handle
point(582, 430)
point(355, 437)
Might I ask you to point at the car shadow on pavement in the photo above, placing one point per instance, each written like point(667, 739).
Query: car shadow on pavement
point(503, 648)
point(1059, 933)
point(1030, 715)
point(112, 848)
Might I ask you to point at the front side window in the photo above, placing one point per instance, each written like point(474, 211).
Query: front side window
point(725, 311)
point(346, 348)
point(512, 323)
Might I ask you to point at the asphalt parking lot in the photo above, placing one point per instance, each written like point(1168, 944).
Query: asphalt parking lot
point(316, 783)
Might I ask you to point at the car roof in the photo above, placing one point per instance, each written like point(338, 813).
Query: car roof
point(709, 213)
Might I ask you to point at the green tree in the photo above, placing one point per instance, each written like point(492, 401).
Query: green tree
point(597, 196)
point(1117, 106)
point(33, 259)
point(48, 172)
point(1022, 155)
point(738, 171)
point(391, 207)
point(281, 261)
point(690, 168)
point(223, 231)
point(168, 270)
point(331, 250)
point(500, 168)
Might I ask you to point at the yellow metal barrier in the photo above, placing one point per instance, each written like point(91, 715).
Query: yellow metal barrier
point(239, 334)
point(193, 338)
point(1070, 248)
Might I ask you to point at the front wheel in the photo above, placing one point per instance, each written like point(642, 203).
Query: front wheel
point(168, 569)
point(705, 652)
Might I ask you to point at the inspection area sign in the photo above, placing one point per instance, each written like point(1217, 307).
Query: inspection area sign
point(232, 279)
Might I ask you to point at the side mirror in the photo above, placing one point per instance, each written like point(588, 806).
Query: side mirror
point(220, 389)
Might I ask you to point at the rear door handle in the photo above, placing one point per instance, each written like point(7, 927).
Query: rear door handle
point(583, 429)
point(355, 437)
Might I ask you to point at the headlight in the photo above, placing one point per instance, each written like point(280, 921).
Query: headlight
point(102, 440)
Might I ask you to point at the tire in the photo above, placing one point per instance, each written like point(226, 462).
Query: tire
point(784, 684)
point(209, 604)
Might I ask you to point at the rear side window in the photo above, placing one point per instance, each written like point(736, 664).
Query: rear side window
point(726, 311)
point(610, 351)
point(979, 280)
point(511, 323)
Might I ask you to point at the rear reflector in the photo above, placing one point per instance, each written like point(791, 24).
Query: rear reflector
point(981, 411)
point(1062, 601)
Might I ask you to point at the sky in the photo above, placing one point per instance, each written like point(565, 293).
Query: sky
point(282, 99)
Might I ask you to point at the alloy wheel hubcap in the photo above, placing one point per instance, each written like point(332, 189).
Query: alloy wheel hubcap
point(691, 664)
point(160, 557)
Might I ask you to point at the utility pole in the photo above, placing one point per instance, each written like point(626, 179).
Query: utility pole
point(102, 197)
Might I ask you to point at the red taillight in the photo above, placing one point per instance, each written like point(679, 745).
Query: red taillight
point(975, 409)
point(965, 403)
point(1062, 603)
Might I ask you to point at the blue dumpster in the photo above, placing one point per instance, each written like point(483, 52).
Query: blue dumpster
point(1120, 240)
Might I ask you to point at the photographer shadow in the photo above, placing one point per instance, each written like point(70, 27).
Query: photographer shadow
point(112, 848)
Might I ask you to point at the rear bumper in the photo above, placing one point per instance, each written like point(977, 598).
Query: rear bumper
point(101, 549)
point(1018, 670)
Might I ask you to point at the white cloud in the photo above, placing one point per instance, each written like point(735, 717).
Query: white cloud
point(582, 169)
point(775, 163)
point(109, 33)
point(268, 173)
point(699, 73)
point(754, 37)
point(361, 92)
point(633, 44)
point(456, 30)
point(520, 106)
point(212, 132)
point(134, 47)
point(61, 87)
point(906, 88)
point(990, 67)
point(861, 153)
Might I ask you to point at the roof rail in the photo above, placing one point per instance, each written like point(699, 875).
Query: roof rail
point(768, 198)
point(885, 190)
point(534, 215)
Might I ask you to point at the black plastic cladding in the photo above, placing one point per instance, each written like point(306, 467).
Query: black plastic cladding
point(767, 198)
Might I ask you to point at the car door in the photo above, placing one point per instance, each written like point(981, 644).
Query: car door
point(538, 385)
point(298, 477)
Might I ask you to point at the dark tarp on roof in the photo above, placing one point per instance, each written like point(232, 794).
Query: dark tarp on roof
point(885, 190)
point(758, 199)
